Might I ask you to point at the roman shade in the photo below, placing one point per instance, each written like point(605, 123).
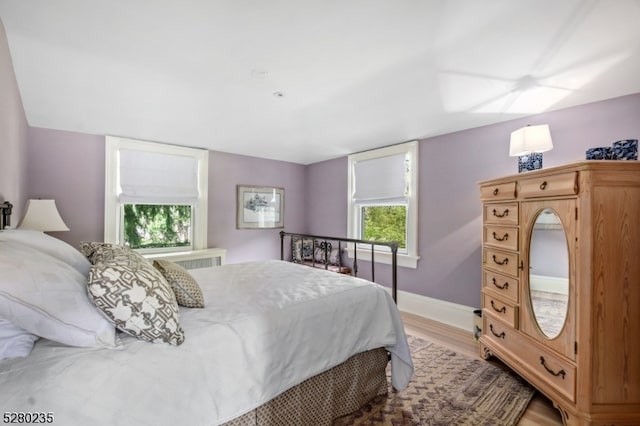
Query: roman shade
point(157, 178)
point(381, 179)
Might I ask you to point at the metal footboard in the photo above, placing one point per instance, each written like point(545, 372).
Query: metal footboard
point(325, 244)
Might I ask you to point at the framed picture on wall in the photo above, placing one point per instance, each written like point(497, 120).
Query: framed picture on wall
point(260, 207)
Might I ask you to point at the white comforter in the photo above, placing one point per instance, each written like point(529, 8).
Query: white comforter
point(267, 326)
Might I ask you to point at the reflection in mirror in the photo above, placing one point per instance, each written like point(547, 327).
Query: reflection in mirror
point(549, 273)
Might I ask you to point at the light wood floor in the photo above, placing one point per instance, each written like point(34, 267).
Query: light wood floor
point(540, 411)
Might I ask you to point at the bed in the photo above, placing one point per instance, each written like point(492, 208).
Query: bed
point(275, 343)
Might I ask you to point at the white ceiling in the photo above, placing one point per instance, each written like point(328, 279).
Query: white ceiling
point(352, 74)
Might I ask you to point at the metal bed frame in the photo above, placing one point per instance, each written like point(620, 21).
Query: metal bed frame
point(5, 214)
point(325, 244)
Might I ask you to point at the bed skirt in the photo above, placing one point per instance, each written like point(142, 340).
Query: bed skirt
point(325, 397)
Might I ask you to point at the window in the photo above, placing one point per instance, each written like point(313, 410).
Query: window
point(155, 195)
point(383, 202)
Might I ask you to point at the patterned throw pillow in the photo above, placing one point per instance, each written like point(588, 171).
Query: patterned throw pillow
point(184, 286)
point(302, 250)
point(100, 252)
point(326, 249)
point(133, 294)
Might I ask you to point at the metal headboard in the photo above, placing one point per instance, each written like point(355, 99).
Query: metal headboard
point(5, 214)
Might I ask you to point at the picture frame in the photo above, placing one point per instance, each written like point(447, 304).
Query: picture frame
point(259, 207)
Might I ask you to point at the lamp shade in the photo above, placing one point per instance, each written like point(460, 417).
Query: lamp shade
point(530, 139)
point(42, 215)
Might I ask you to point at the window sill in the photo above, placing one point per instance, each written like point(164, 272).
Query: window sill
point(404, 260)
point(182, 256)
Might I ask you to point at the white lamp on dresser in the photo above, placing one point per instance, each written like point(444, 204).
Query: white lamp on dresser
point(528, 144)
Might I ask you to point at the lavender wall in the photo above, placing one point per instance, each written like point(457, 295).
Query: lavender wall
point(451, 166)
point(13, 134)
point(228, 170)
point(326, 200)
point(69, 167)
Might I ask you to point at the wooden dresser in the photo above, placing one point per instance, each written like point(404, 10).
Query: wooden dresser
point(587, 359)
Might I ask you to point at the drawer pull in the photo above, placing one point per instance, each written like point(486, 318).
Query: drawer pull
point(495, 191)
point(543, 185)
point(504, 262)
point(502, 310)
point(503, 214)
point(503, 287)
point(505, 237)
point(501, 335)
point(550, 371)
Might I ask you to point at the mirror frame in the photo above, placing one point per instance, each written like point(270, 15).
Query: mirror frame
point(565, 209)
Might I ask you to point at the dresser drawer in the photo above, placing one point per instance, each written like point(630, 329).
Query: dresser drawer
point(501, 237)
point(505, 287)
point(500, 213)
point(550, 186)
point(501, 191)
point(539, 366)
point(501, 261)
point(506, 311)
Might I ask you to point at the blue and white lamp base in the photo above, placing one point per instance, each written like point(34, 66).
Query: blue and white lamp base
point(529, 162)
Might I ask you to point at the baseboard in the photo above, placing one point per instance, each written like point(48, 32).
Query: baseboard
point(452, 314)
point(549, 284)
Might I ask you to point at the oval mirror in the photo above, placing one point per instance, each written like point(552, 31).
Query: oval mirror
point(549, 273)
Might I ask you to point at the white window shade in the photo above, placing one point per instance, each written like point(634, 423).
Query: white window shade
point(157, 178)
point(383, 178)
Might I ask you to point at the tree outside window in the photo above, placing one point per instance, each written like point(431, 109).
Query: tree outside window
point(157, 226)
point(385, 224)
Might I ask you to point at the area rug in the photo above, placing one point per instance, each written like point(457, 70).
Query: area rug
point(448, 388)
point(551, 311)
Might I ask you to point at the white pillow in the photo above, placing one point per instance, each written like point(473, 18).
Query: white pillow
point(48, 298)
point(14, 341)
point(49, 245)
